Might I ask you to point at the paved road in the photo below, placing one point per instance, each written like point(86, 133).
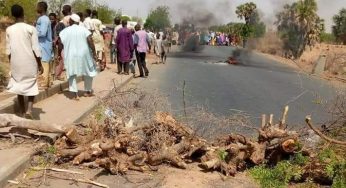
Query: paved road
point(257, 86)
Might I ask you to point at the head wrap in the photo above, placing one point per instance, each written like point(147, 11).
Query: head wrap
point(75, 18)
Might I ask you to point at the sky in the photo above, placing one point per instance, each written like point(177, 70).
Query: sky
point(222, 10)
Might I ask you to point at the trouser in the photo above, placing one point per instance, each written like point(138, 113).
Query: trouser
point(59, 69)
point(72, 81)
point(142, 65)
point(123, 67)
point(113, 54)
point(132, 66)
point(45, 78)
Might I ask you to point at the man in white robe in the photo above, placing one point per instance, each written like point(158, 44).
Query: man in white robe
point(23, 50)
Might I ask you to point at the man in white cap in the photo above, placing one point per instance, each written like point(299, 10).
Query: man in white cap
point(79, 59)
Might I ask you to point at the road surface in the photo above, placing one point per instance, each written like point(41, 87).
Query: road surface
point(256, 86)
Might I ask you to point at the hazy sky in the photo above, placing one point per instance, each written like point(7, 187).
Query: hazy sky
point(223, 10)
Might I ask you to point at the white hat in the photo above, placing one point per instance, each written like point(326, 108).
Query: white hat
point(75, 18)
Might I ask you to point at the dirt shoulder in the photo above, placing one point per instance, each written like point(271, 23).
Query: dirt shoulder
point(335, 62)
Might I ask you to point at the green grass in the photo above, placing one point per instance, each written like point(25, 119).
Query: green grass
point(278, 176)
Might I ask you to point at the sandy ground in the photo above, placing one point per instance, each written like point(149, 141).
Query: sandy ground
point(166, 176)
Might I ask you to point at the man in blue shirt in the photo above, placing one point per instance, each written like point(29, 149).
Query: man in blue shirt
point(44, 31)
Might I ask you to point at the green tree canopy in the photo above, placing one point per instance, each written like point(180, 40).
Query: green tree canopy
point(158, 19)
point(253, 26)
point(105, 14)
point(339, 27)
point(29, 7)
point(125, 17)
point(246, 11)
point(299, 26)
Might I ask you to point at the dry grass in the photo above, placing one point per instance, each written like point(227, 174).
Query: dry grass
point(336, 54)
point(4, 64)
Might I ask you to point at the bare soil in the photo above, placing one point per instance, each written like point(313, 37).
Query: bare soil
point(166, 176)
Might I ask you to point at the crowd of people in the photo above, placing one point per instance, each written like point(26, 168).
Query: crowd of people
point(220, 39)
point(74, 45)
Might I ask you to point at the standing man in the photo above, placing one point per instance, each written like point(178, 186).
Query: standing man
point(87, 23)
point(142, 45)
point(117, 26)
point(24, 55)
point(98, 40)
point(53, 21)
point(124, 42)
point(44, 31)
point(59, 69)
point(79, 56)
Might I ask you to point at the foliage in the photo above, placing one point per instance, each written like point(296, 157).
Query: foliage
point(51, 149)
point(246, 11)
point(29, 7)
point(339, 27)
point(55, 5)
point(258, 27)
point(137, 19)
point(278, 176)
point(253, 26)
point(105, 14)
point(299, 26)
point(335, 168)
point(158, 19)
point(223, 154)
point(125, 17)
point(328, 38)
point(299, 159)
point(3, 75)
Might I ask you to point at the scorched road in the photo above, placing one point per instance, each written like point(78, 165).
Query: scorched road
point(256, 86)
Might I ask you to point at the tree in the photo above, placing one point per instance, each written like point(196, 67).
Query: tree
point(299, 26)
point(339, 27)
point(258, 27)
point(248, 12)
point(139, 20)
point(158, 19)
point(125, 17)
point(55, 6)
point(105, 14)
point(29, 7)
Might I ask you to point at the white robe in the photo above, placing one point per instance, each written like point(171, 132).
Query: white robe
point(21, 44)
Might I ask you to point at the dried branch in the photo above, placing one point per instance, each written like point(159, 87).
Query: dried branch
point(319, 133)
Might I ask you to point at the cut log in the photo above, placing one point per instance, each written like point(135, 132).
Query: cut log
point(10, 120)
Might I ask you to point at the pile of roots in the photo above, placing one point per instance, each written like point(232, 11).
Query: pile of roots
point(119, 147)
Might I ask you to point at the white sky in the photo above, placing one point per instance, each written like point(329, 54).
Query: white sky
point(224, 10)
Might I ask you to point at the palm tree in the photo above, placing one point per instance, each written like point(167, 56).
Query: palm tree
point(246, 11)
point(300, 26)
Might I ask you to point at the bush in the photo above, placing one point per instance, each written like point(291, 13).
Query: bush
point(278, 176)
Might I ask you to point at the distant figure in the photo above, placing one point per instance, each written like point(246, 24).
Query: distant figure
point(44, 32)
point(98, 40)
point(81, 15)
point(159, 48)
point(59, 69)
point(87, 23)
point(142, 46)
point(53, 21)
point(133, 62)
point(23, 50)
point(113, 52)
point(79, 51)
point(125, 48)
point(165, 49)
